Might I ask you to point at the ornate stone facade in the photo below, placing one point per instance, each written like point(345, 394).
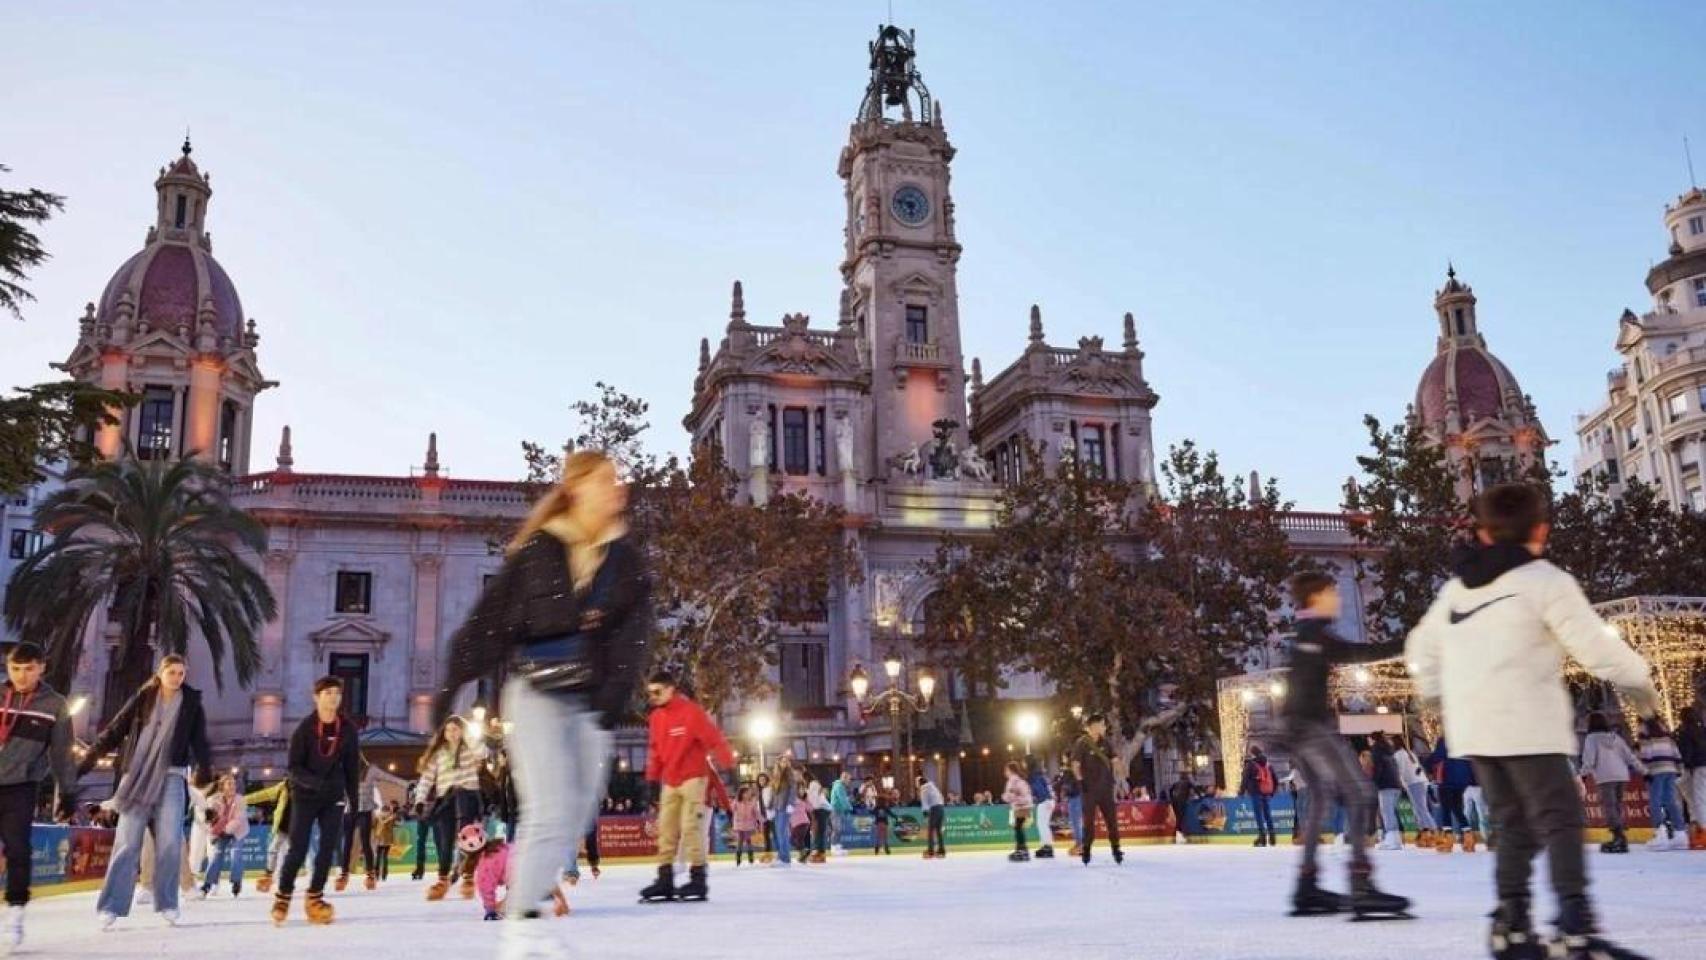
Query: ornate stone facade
point(1653, 423)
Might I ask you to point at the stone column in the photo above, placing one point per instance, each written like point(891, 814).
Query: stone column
point(424, 671)
point(114, 366)
point(268, 700)
point(201, 431)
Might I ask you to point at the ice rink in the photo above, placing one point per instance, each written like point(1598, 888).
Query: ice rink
point(1201, 903)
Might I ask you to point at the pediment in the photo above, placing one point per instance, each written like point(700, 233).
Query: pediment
point(158, 342)
point(917, 284)
point(350, 632)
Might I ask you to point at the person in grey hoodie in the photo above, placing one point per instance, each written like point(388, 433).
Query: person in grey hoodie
point(1607, 758)
point(35, 739)
point(935, 812)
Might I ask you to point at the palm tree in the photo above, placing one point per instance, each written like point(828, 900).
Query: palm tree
point(158, 544)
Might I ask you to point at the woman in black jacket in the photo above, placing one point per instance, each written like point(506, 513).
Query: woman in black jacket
point(160, 735)
point(570, 613)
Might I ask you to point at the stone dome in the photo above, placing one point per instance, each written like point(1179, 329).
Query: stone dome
point(174, 280)
point(1480, 380)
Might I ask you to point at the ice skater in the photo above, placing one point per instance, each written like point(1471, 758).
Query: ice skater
point(1017, 796)
point(1044, 798)
point(35, 742)
point(1490, 652)
point(1328, 766)
point(1094, 772)
point(325, 777)
point(682, 737)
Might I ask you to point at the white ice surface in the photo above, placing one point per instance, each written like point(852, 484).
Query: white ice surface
point(1201, 903)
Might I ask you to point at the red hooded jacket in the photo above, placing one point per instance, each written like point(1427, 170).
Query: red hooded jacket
point(682, 734)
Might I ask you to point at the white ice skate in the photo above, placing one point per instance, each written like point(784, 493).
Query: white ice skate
point(107, 919)
point(12, 934)
point(529, 940)
point(838, 851)
point(144, 896)
point(1392, 843)
point(170, 916)
point(1179, 839)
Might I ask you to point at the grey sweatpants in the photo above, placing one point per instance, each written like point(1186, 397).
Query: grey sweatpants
point(1536, 805)
point(1333, 774)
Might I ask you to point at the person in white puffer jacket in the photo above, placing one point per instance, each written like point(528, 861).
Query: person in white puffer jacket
point(1490, 653)
point(1415, 781)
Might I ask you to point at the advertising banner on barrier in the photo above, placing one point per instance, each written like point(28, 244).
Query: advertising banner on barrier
point(1637, 809)
point(629, 836)
point(1235, 816)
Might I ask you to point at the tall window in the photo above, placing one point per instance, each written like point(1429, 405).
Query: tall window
point(796, 458)
point(1612, 473)
point(354, 592)
point(1630, 437)
point(1093, 448)
point(775, 437)
point(1702, 397)
point(1700, 291)
point(183, 209)
point(917, 324)
point(227, 435)
point(351, 668)
point(20, 546)
point(802, 675)
point(1457, 315)
point(1114, 450)
point(1678, 404)
point(1696, 226)
point(154, 439)
point(821, 451)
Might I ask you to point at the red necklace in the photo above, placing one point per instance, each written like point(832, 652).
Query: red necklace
point(329, 749)
point(9, 715)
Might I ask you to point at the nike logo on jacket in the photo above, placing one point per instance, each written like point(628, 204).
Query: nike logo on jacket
point(1457, 618)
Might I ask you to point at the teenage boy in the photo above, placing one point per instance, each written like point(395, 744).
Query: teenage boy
point(35, 739)
point(1323, 756)
point(325, 777)
point(1490, 652)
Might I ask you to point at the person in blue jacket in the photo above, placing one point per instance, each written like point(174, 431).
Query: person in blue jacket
point(1044, 800)
point(1455, 775)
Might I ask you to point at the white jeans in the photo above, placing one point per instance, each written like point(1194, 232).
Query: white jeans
point(1695, 789)
point(1044, 816)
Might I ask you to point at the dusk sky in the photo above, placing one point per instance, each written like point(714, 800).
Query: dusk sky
point(457, 218)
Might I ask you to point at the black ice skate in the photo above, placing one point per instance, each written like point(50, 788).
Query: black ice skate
point(695, 889)
point(662, 889)
point(1119, 855)
point(1019, 856)
point(1312, 901)
point(1578, 936)
point(1369, 903)
point(1512, 936)
point(1045, 853)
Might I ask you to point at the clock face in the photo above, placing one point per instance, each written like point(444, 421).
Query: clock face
point(910, 206)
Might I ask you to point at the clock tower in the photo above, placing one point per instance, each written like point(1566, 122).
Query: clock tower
point(900, 294)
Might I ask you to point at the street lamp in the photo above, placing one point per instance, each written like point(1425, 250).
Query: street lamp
point(1077, 712)
point(1028, 724)
point(760, 728)
point(894, 699)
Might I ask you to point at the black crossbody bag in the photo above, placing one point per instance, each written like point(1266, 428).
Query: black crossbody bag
point(566, 663)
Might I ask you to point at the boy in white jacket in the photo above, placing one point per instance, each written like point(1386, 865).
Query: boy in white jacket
point(1490, 652)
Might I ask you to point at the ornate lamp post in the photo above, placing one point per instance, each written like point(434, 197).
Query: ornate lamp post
point(895, 699)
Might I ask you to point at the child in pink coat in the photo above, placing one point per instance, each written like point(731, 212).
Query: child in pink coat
point(746, 823)
point(492, 872)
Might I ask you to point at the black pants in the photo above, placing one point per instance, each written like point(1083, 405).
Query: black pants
point(1535, 803)
point(1180, 812)
point(592, 847)
point(1103, 804)
point(305, 814)
point(358, 825)
point(1019, 821)
point(424, 829)
point(454, 810)
point(820, 831)
point(17, 807)
point(769, 834)
point(933, 830)
point(383, 862)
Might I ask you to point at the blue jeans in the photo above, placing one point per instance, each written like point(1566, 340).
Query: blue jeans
point(784, 843)
point(224, 848)
point(559, 754)
point(1662, 795)
point(1389, 810)
point(1075, 813)
point(166, 820)
point(1264, 814)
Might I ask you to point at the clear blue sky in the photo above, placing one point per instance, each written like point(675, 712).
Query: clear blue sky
point(457, 219)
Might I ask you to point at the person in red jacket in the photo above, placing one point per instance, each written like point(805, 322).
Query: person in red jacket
point(684, 740)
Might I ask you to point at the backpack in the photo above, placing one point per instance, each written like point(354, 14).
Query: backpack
point(1265, 779)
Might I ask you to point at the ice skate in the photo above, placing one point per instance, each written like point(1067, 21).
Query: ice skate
point(1391, 842)
point(1470, 838)
point(662, 889)
point(264, 884)
point(1445, 842)
point(318, 911)
point(1075, 851)
point(1261, 839)
point(1311, 901)
point(1179, 839)
point(767, 858)
point(1512, 936)
point(106, 919)
point(1369, 903)
point(1578, 936)
point(695, 889)
point(1119, 856)
point(440, 887)
point(12, 934)
point(1045, 853)
point(818, 857)
point(280, 909)
point(371, 883)
point(341, 883)
point(1019, 856)
point(170, 916)
point(467, 887)
point(529, 940)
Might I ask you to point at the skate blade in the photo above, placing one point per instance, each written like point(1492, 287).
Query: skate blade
point(1381, 917)
point(1314, 913)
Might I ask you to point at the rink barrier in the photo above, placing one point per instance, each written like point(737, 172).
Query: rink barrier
point(69, 859)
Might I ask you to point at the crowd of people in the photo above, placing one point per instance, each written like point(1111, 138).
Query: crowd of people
point(570, 615)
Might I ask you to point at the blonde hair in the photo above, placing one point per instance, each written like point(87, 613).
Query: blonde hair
point(577, 467)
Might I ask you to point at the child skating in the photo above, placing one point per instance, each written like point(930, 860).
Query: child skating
point(1490, 652)
point(1326, 761)
point(1017, 796)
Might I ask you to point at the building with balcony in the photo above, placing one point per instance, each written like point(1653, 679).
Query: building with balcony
point(1652, 425)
